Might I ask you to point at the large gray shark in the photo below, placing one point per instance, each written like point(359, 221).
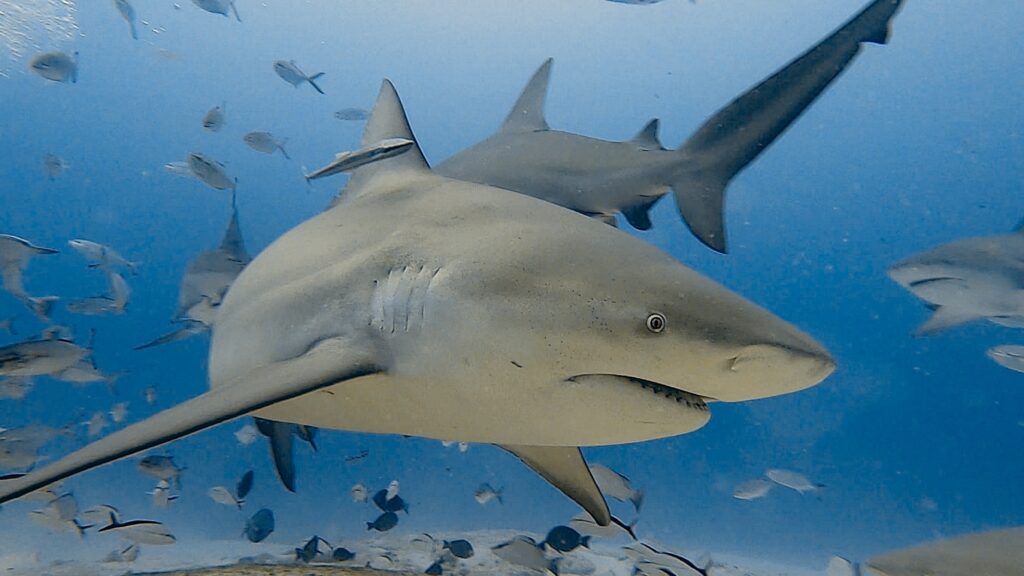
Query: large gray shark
point(601, 178)
point(207, 279)
point(991, 553)
point(967, 280)
point(421, 295)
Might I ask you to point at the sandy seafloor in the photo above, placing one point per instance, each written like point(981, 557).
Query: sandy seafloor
point(240, 557)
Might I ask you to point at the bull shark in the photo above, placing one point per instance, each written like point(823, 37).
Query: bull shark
point(967, 280)
point(992, 553)
point(207, 279)
point(601, 178)
point(420, 295)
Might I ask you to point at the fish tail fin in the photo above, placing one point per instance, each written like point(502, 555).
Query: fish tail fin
point(313, 84)
point(369, 526)
point(738, 133)
point(235, 10)
point(585, 541)
point(280, 146)
point(135, 34)
point(637, 498)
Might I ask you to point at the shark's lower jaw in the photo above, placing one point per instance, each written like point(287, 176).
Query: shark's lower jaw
point(680, 396)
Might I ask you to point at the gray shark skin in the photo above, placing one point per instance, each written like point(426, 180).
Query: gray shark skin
point(559, 330)
point(207, 279)
point(967, 280)
point(991, 553)
point(601, 178)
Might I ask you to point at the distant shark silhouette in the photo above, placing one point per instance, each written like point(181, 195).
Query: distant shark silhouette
point(601, 178)
point(992, 553)
point(967, 280)
point(421, 296)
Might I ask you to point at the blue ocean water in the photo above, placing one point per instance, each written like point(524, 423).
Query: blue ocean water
point(918, 143)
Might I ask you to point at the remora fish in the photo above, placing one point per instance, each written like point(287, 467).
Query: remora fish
point(602, 179)
point(379, 361)
point(218, 7)
point(291, 74)
point(55, 66)
point(992, 553)
point(967, 280)
point(347, 161)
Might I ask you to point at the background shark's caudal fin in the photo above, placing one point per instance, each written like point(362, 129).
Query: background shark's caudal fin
point(264, 387)
point(565, 468)
point(647, 137)
point(738, 133)
point(527, 114)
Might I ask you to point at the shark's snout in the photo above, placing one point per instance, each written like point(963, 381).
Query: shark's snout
point(776, 368)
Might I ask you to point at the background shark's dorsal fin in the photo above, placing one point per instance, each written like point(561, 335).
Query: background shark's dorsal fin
point(528, 113)
point(647, 137)
point(388, 120)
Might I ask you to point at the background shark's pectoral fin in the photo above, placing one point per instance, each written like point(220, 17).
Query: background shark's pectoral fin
point(701, 201)
point(565, 468)
point(323, 366)
point(527, 114)
point(279, 435)
point(945, 317)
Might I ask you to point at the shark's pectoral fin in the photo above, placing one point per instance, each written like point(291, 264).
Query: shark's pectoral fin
point(527, 114)
point(281, 449)
point(701, 202)
point(565, 468)
point(945, 317)
point(263, 387)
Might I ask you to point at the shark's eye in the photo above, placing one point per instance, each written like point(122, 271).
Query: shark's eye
point(656, 322)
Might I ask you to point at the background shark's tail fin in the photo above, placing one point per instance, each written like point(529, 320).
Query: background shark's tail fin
point(738, 133)
point(388, 120)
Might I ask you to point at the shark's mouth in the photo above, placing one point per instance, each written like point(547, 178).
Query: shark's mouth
point(691, 401)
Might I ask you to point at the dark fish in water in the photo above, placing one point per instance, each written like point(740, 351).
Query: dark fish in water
point(291, 74)
point(260, 525)
point(357, 458)
point(218, 7)
point(352, 114)
point(310, 550)
point(342, 554)
point(56, 66)
point(244, 485)
point(434, 569)
point(459, 548)
point(393, 504)
point(128, 13)
point(213, 120)
point(565, 539)
point(384, 522)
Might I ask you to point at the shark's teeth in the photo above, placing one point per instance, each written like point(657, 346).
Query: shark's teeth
point(680, 396)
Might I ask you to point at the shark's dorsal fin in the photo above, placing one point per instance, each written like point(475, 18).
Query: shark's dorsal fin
point(232, 241)
point(566, 469)
point(528, 113)
point(388, 120)
point(647, 137)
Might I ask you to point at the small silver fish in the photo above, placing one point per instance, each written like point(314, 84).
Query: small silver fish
point(161, 468)
point(213, 120)
point(55, 66)
point(222, 495)
point(752, 489)
point(100, 255)
point(392, 489)
point(616, 485)
point(352, 114)
point(54, 166)
point(129, 553)
point(485, 493)
point(360, 493)
point(150, 394)
point(347, 161)
point(161, 494)
point(218, 7)
point(118, 412)
point(523, 551)
point(1008, 356)
point(291, 74)
point(585, 524)
point(792, 480)
point(142, 532)
point(96, 424)
point(246, 435)
point(128, 13)
point(266, 143)
point(210, 171)
point(102, 514)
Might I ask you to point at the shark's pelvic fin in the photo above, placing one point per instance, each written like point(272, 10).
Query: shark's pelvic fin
point(265, 386)
point(638, 216)
point(281, 449)
point(647, 137)
point(565, 468)
point(945, 317)
point(528, 113)
point(738, 133)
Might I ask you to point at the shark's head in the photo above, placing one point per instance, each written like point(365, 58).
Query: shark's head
point(949, 273)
